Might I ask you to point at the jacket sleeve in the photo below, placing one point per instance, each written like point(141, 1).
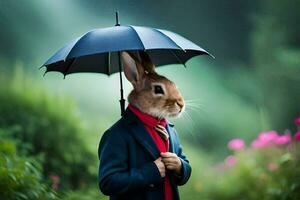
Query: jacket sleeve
point(115, 176)
point(186, 169)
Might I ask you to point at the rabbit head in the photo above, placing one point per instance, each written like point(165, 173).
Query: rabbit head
point(152, 93)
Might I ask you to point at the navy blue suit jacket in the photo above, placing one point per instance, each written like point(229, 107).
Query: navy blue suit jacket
point(127, 171)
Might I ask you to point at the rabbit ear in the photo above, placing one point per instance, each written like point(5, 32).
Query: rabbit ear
point(146, 62)
point(132, 69)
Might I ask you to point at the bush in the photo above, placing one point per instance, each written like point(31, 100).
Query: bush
point(50, 126)
point(20, 177)
point(87, 194)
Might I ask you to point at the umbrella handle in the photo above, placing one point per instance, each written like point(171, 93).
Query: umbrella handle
point(122, 105)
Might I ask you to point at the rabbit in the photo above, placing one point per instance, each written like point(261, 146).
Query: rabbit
point(152, 93)
point(140, 155)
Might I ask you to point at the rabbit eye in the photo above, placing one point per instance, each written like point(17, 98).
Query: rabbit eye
point(158, 89)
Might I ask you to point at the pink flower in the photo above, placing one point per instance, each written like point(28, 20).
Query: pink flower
point(265, 139)
point(297, 121)
point(272, 167)
point(236, 144)
point(256, 144)
point(55, 178)
point(55, 182)
point(230, 161)
point(297, 135)
point(283, 139)
point(269, 136)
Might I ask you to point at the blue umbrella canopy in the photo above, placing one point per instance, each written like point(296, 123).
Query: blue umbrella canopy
point(99, 50)
point(96, 51)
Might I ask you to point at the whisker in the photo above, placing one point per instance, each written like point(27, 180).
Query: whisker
point(193, 109)
point(186, 126)
point(192, 125)
point(196, 108)
point(200, 111)
point(195, 103)
point(194, 100)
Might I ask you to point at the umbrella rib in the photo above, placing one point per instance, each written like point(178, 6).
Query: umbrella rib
point(174, 54)
point(169, 39)
point(138, 36)
point(76, 44)
point(109, 64)
point(68, 67)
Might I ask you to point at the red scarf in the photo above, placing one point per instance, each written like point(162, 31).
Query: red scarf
point(162, 145)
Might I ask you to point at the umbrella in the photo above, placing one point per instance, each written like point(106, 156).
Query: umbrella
point(99, 50)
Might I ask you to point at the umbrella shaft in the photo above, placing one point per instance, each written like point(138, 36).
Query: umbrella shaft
point(117, 19)
point(122, 100)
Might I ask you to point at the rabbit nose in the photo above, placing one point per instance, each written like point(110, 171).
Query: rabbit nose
point(180, 104)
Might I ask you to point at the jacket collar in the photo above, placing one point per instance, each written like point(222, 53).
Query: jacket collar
point(141, 135)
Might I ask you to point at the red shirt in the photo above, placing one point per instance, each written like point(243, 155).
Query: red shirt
point(162, 145)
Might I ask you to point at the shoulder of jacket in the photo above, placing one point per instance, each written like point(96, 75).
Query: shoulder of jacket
point(120, 128)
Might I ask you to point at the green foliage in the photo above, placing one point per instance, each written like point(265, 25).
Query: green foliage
point(87, 194)
point(20, 177)
point(49, 127)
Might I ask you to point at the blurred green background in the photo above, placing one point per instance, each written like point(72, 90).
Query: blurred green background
point(50, 127)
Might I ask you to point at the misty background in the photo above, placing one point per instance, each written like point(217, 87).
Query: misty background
point(251, 86)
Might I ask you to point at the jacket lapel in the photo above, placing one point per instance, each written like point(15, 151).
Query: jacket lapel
point(170, 131)
point(140, 134)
